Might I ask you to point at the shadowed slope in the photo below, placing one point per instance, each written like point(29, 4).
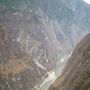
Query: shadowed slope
point(76, 75)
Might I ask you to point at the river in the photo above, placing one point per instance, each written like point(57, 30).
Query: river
point(53, 75)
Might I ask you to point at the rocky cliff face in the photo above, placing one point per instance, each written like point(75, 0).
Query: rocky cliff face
point(77, 71)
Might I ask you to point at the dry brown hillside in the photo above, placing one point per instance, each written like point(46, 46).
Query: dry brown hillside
point(17, 70)
point(76, 75)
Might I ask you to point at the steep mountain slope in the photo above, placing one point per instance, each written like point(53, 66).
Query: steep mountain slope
point(17, 70)
point(45, 29)
point(76, 75)
point(36, 35)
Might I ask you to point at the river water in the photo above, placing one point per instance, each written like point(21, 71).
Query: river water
point(53, 75)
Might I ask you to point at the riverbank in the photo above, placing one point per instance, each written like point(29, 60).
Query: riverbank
point(51, 76)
